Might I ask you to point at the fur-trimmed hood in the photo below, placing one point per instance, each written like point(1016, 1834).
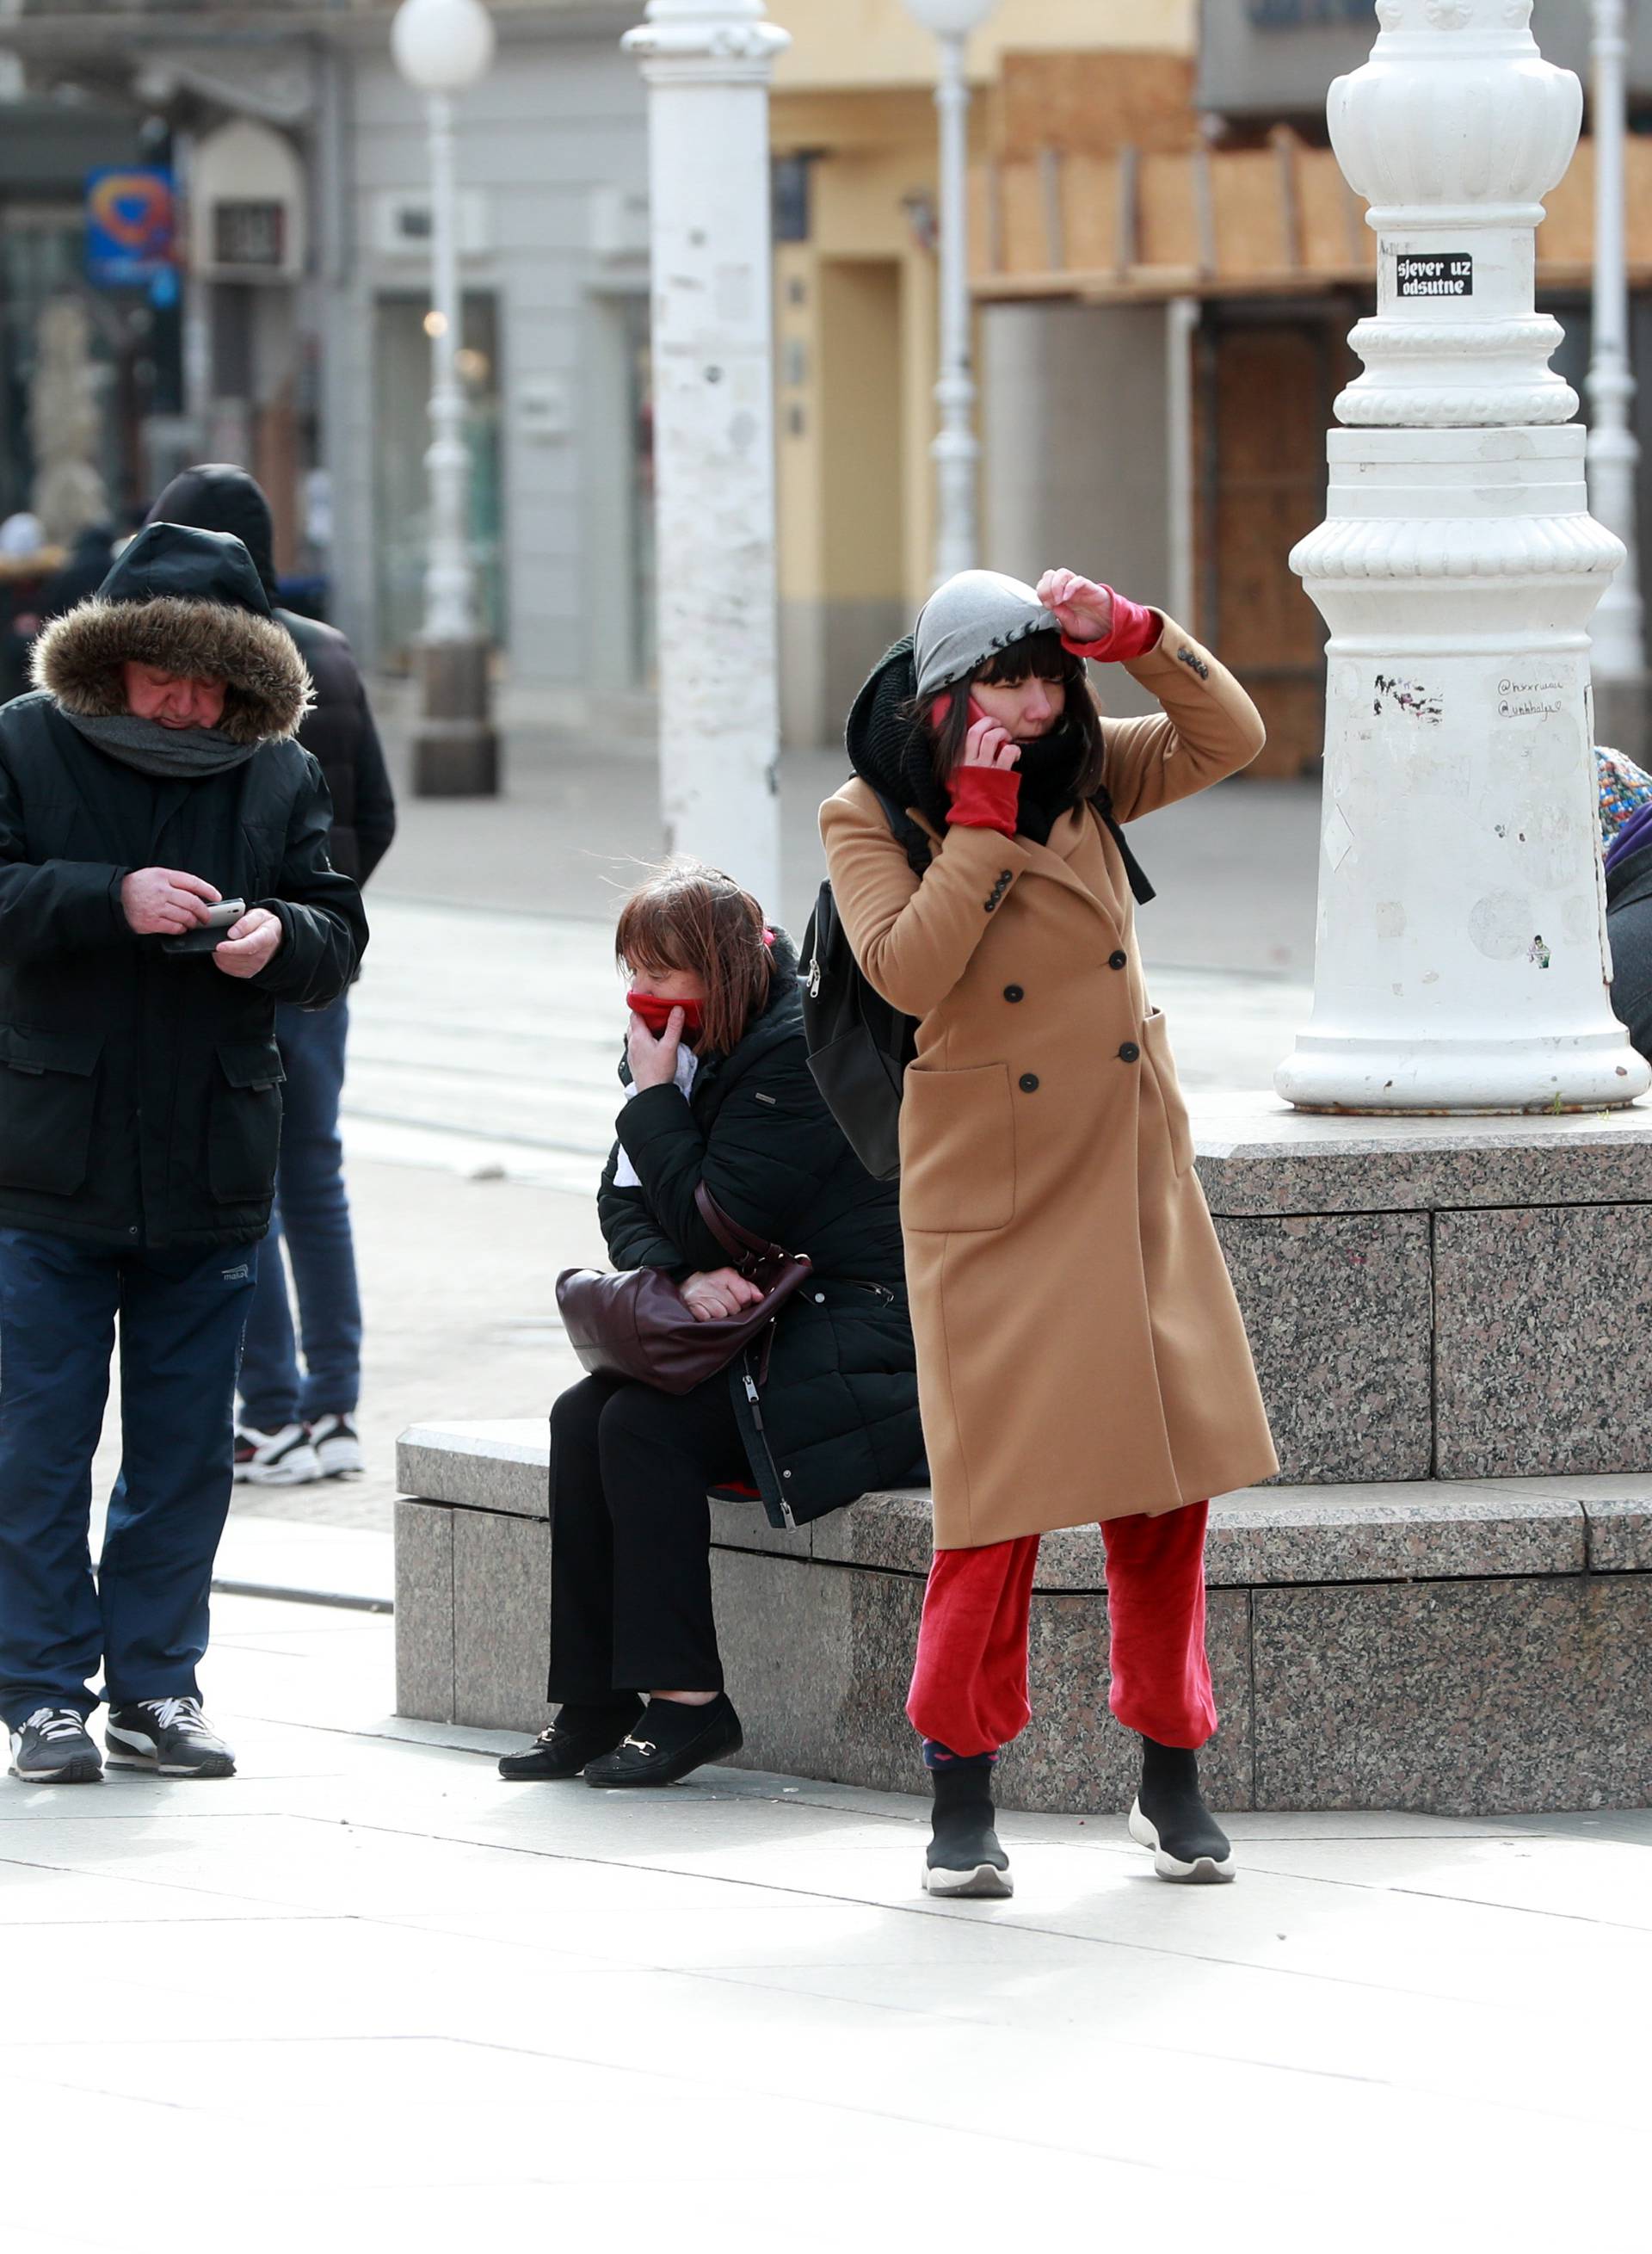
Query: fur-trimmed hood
point(190, 602)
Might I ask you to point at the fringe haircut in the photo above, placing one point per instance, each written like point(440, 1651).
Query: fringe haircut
point(1041, 654)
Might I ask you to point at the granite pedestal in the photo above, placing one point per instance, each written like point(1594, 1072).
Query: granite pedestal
point(1444, 1603)
point(1450, 1299)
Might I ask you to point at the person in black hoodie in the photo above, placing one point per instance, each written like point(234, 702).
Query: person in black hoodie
point(150, 779)
point(719, 1093)
point(295, 1428)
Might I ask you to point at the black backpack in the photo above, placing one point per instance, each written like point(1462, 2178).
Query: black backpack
point(859, 1045)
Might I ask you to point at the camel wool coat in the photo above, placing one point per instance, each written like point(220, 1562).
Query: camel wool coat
point(1081, 1353)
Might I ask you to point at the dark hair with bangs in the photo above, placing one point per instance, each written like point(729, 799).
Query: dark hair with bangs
point(1041, 654)
point(689, 917)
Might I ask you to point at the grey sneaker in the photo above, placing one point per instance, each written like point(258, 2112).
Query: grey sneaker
point(169, 1736)
point(53, 1747)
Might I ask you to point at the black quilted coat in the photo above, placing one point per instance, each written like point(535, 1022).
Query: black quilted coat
point(837, 1415)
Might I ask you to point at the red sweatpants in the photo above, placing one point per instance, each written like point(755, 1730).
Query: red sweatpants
point(968, 1685)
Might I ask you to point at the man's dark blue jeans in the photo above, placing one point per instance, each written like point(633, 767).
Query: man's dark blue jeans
point(146, 1618)
point(312, 1212)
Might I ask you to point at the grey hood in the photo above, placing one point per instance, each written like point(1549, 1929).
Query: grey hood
point(968, 620)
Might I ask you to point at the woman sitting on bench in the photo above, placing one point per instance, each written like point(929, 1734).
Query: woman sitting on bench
point(717, 1091)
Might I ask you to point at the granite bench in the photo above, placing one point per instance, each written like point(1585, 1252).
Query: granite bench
point(1463, 1647)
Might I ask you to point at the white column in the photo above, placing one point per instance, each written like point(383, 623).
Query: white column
point(450, 597)
point(1461, 963)
point(1181, 326)
point(707, 63)
point(1614, 453)
point(956, 450)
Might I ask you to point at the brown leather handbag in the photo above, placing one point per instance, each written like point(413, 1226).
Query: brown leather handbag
point(638, 1327)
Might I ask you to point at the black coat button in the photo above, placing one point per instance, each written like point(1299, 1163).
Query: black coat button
point(1015, 993)
point(1029, 1084)
point(1130, 1052)
point(1117, 959)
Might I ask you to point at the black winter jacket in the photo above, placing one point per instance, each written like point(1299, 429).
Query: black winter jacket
point(140, 1092)
point(339, 727)
point(1629, 930)
point(837, 1415)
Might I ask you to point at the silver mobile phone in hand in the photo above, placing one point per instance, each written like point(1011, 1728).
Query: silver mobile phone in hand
point(205, 936)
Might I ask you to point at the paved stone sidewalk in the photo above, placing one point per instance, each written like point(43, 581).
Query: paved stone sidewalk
point(368, 1994)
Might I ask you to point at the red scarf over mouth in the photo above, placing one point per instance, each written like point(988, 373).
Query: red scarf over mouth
point(655, 1013)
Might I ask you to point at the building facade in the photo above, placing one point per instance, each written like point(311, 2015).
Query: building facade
point(297, 320)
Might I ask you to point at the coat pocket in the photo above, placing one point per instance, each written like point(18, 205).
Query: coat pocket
point(1156, 1042)
point(957, 1149)
point(243, 1137)
point(48, 1091)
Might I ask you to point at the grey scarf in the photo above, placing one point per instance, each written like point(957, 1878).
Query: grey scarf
point(176, 754)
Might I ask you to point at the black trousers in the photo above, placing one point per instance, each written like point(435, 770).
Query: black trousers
point(631, 1536)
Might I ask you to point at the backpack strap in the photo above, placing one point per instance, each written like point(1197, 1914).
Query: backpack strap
point(904, 830)
point(1139, 886)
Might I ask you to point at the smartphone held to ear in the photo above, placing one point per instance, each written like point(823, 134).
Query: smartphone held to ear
point(207, 935)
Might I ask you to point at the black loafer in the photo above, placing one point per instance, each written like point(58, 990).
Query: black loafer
point(668, 1740)
point(575, 1737)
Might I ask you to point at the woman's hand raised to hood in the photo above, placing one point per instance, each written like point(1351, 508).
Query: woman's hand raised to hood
point(654, 1063)
point(1083, 606)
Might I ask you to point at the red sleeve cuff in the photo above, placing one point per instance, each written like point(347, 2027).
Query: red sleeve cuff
point(1136, 628)
point(985, 798)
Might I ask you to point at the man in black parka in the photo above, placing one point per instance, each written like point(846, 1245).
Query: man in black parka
point(152, 775)
point(297, 1426)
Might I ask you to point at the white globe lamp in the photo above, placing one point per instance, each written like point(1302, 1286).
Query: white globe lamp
point(442, 47)
point(950, 19)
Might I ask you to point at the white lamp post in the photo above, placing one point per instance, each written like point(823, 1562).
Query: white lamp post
point(1461, 963)
point(707, 65)
point(442, 47)
point(956, 450)
point(1614, 454)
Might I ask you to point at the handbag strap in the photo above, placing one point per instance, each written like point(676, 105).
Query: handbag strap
point(738, 1242)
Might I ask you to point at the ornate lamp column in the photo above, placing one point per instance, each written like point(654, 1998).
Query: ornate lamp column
point(1461, 963)
point(956, 451)
point(442, 47)
point(707, 63)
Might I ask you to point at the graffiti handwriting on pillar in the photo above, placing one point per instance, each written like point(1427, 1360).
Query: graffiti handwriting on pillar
point(1529, 700)
point(1408, 696)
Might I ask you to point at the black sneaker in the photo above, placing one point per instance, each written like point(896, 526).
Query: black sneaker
point(963, 1857)
point(337, 1447)
point(280, 1458)
point(1189, 1847)
point(53, 1747)
point(171, 1736)
point(578, 1735)
point(667, 1740)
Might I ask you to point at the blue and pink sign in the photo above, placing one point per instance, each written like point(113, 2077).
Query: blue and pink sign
point(129, 225)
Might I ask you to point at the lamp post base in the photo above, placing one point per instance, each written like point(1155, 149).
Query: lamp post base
point(1345, 1073)
point(455, 745)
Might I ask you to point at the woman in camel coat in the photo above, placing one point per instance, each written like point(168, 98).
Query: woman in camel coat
point(1081, 1353)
